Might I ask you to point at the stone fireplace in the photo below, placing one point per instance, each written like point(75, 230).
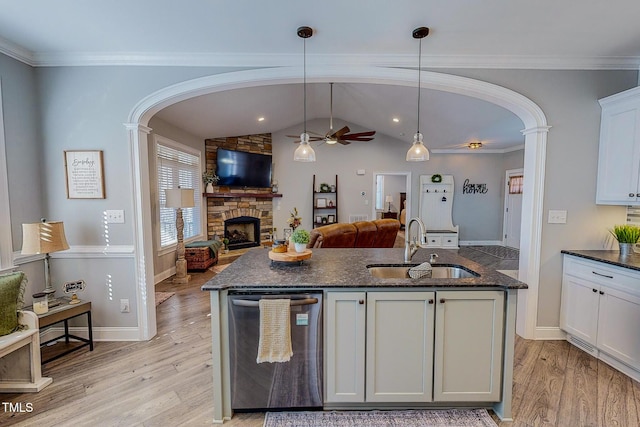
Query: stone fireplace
point(242, 232)
point(228, 208)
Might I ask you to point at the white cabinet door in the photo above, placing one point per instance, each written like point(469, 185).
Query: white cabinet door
point(579, 308)
point(345, 346)
point(619, 153)
point(469, 339)
point(399, 346)
point(618, 326)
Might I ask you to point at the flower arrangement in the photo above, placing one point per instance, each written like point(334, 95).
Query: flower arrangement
point(210, 177)
point(294, 220)
point(301, 236)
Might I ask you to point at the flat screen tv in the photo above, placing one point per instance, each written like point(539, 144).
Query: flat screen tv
point(242, 169)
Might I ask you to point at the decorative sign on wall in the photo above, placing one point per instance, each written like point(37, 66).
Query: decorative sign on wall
point(468, 188)
point(85, 174)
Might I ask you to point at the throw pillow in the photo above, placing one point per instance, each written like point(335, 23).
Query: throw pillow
point(11, 299)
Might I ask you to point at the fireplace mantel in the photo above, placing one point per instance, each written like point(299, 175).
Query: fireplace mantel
point(235, 195)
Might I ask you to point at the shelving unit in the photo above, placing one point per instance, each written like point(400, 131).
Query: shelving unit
point(329, 209)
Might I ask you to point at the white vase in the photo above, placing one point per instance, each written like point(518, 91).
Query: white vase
point(300, 247)
point(209, 188)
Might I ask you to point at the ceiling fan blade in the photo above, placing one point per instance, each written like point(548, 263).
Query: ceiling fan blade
point(359, 134)
point(338, 134)
point(311, 139)
point(344, 141)
point(356, 139)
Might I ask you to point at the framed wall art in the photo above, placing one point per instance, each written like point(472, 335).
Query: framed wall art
point(84, 172)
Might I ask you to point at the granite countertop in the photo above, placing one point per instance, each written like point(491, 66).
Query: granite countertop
point(631, 262)
point(347, 268)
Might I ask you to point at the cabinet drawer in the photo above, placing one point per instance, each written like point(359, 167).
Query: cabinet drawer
point(450, 240)
point(433, 240)
point(602, 273)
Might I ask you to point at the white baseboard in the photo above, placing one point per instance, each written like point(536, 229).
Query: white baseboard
point(164, 275)
point(550, 333)
point(480, 243)
point(99, 334)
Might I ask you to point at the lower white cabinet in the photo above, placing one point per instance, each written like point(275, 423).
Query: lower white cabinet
point(399, 357)
point(468, 346)
point(420, 346)
point(600, 311)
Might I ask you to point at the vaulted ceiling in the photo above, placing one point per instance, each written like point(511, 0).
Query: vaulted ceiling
point(571, 34)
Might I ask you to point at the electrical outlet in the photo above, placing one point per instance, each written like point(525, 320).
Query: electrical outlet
point(114, 216)
point(124, 306)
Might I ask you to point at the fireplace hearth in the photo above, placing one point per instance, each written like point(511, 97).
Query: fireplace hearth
point(242, 232)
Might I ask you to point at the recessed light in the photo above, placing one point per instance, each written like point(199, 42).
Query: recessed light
point(261, 119)
point(396, 120)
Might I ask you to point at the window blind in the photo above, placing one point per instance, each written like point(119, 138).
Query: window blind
point(177, 168)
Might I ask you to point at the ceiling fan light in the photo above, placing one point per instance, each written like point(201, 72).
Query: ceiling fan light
point(331, 141)
point(418, 152)
point(304, 152)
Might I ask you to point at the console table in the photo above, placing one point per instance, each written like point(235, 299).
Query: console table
point(63, 313)
point(392, 215)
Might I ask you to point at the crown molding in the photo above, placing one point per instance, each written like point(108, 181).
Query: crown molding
point(194, 59)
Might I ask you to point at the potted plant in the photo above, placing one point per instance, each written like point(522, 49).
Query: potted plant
point(210, 178)
point(627, 235)
point(225, 241)
point(300, 239)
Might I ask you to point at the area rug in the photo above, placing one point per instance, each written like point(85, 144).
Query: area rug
point(218, 268)
point(408, 418)
point(163, 296)
point(498, 251)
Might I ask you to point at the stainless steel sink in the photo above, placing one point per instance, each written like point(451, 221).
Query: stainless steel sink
point(401, 271)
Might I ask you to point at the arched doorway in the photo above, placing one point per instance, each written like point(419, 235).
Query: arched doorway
point(535, 133)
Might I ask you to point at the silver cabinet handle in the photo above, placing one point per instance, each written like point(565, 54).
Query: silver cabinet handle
point(602, 275)
point(255, 303)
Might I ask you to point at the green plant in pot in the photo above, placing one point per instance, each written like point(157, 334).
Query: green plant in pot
point(300, 239)
point(627, 236)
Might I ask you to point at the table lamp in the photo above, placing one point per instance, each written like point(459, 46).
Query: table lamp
point(389, 199)
point(180, 198)
point(43, 238)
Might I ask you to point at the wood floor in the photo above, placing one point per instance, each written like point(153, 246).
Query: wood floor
point(167, 380)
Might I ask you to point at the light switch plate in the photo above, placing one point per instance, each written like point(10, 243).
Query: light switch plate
point(557, 217)
point(115, 216)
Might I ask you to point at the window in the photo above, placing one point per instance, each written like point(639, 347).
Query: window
point(178, 166)
point(379, 192)
point(515, 184)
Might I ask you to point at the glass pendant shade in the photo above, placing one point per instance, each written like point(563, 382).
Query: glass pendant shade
point(304, 152)
point(418, 152)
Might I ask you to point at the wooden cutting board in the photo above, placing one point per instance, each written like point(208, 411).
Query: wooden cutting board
point(290, 256)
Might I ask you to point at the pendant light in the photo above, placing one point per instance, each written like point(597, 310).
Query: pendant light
point(304, 152)
point(418, 152)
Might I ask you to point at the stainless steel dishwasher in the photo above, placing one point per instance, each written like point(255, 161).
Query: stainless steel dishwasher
point(293, 384)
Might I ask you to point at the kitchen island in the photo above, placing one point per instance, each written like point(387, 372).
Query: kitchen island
point(388, 342)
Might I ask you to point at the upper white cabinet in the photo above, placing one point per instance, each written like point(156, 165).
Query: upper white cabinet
point(619, 155)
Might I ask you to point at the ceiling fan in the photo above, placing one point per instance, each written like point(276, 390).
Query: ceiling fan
point(341, 135)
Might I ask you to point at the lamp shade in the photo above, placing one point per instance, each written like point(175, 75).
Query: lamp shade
point(179, 198)
point(304, 153)
point(388, 199)
point(418, 152)
point(43, 238)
